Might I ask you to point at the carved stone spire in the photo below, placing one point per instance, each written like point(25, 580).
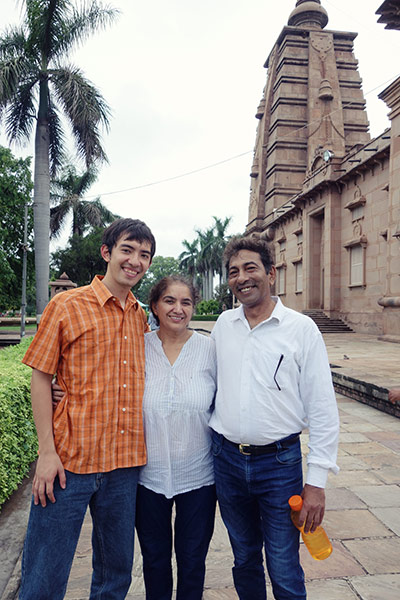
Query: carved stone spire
point(309, 14)
point(312, 103)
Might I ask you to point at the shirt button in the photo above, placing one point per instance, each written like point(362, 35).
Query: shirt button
point(124, 409)
point(124, 386)
point(122, 431)
point(125, 337)
point(113, 299)
point(124, 362)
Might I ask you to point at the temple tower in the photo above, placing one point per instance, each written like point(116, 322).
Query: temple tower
point(312, 109)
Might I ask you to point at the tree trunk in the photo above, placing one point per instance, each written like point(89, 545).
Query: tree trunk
point(223, 275)
point(204, 280)
point(41, 207)
point(211, 283)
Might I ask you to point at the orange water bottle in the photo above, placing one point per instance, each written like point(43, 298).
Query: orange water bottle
point(317, 543)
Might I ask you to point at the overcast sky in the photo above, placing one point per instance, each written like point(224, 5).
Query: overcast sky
point(184, 79)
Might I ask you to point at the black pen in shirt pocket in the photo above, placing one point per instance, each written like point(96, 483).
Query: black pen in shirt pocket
point(277, 369)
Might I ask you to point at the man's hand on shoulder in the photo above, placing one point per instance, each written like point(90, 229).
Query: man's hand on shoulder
point(313, 508)
point(48, 467)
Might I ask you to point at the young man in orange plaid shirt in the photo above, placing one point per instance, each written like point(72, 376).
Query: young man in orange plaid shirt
point(92, 445)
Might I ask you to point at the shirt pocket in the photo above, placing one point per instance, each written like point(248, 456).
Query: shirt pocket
point(92, 348)
point(95, 339)
point(273, 369)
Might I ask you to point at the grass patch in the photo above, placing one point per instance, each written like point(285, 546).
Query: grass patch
point(5, 328)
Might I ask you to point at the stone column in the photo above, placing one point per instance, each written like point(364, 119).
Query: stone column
point(391, 300)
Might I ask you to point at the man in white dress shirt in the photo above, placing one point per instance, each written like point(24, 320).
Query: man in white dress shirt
point(274, 380)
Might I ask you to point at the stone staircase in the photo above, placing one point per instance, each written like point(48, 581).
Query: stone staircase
point(325, 324)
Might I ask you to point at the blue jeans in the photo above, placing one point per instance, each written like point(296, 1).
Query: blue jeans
point(53, 533)
point(194, 526)
point(253, 494)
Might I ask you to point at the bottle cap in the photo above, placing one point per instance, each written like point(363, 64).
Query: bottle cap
point(296, 502)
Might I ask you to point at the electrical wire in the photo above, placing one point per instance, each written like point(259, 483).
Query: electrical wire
point(231, 158)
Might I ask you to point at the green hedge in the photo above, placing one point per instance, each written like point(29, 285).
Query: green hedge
point(18, 442)
point(204, 317)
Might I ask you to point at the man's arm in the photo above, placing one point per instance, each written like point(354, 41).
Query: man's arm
point(49, 464)
point(318, 395)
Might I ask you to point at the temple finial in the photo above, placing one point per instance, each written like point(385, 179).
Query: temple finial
point(309, 14)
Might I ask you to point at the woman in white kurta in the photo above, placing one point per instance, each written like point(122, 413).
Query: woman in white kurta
point(179, 394)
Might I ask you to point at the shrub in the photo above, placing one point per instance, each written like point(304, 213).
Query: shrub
point(18, 441)
point(204, 317)
point(207, 307)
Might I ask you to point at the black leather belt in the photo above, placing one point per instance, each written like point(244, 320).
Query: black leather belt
point(251, 450)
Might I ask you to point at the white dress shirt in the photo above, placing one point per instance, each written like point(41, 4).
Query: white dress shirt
point(177, 404)
point(273, 381)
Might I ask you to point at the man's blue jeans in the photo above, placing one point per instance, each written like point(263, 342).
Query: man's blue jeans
point(193, 529)
point(253, 494)
point(53, 533)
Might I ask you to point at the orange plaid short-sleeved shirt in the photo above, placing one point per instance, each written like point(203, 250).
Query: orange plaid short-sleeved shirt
point(96, 348)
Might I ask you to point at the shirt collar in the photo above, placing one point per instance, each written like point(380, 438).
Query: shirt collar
point(103, 294)
point(238, 313)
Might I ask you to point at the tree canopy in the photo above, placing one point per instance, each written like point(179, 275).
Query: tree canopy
point(159, 268)
point(81, 259)
point(15, 190)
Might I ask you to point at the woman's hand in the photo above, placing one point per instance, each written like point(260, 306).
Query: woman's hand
point(57, 394)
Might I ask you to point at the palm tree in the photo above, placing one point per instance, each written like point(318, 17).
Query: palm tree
point(221, 239)
point(205, 261)
point(188, 258)
point(205, 255)
point(36, 86)
point(67, 194)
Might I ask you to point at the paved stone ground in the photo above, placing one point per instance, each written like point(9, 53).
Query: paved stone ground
point(363, 500)
point(362, 520)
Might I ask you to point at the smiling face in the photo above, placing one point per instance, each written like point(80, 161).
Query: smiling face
point(174, 308)
point(249, 281)
point(126, 264)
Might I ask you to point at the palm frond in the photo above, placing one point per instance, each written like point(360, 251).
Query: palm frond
point(82, 23)
point(67, 194)
point(72, 183)
point(96, 213)
point(57, 217)
point(66, 180)
point(12, 43)
point(86, 180)
point(18, 76)
point(20, 115)
point(9, 78)
point(45, 23)
point(85, 108)
point(56, 139)
point(13, 72)
point(56, 197)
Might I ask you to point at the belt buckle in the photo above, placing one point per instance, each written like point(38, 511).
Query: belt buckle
point(242, 451)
